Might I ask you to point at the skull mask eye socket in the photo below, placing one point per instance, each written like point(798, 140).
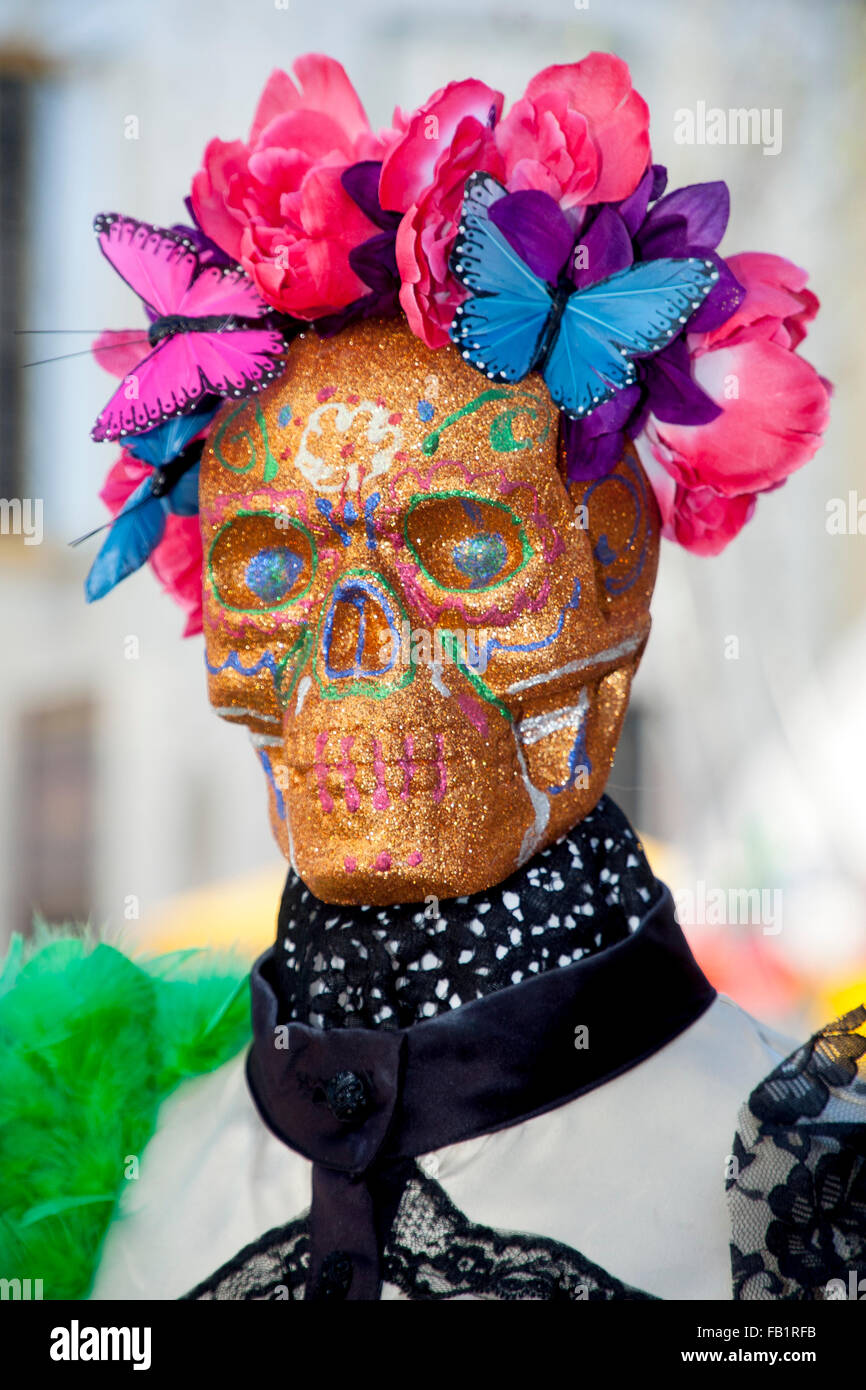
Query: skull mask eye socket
point(465, 542)
point(260, 561)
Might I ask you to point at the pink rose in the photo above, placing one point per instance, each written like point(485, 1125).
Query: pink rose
point(580, 133)
point(414, 163)
point(775, 406)
point(276, 203)
point(699, 519)
point(177, 560)
point(423, 176)
point(777, 306)
point(429, 294)
point(177, 563)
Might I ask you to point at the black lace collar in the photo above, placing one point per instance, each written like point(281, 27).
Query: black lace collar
point(360, 1103)
point(390, 967)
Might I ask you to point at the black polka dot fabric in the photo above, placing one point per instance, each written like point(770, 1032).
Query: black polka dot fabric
point(391, 967)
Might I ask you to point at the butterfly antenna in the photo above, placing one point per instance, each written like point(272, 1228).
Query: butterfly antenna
point(87, 352)
point(95, 532)
point(124, 511)
point(162, 481)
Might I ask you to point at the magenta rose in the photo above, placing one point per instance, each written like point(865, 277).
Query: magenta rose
point(580, 133)
point(415, 162)
point(699, 519)
point(429, 294)
point(276, 203)
point(423, 176)
point(777, 306)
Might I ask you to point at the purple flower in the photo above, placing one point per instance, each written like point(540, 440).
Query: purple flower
point(375, 260)
point(537, 228)
point(576, 249)
point(692, 222)
point(688, 222)
point(571, 251)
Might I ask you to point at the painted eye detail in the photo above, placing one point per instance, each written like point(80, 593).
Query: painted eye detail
point(260, 561)
point(272, 572)
point(463, 542)
point(481, 557)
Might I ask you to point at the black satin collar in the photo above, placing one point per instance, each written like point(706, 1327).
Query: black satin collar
point(360, 1103)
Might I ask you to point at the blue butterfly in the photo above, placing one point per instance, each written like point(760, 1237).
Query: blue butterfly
point(582, 341)
point(172, 487)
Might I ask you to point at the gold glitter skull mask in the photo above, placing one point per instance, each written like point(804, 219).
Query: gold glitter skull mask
point(430, 638)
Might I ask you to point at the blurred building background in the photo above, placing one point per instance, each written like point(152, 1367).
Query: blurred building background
point(119, 790)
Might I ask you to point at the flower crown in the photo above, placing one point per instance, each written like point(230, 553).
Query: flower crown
point(540, 240)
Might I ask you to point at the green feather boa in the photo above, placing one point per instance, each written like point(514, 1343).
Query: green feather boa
point(90, 1044)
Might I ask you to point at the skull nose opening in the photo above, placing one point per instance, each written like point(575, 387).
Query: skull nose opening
point(360, 637)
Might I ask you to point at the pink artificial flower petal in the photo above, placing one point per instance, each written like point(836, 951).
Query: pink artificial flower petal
point(120, 352)
point(547, 146)
point(323, 87)
point(222, 163)
point(177, 563)
point(529, 174)
point(279, 95)
point(775, 408)
point(705, 523)
point(409, 167)
point(333, 276)
point(535, 135)
point(327, 210)
point(391, 135)
point(777, 304)
point(412, 283)
point(429, 293)
point(313, 135)
point(663, 484)
point(125, 475)
point(311, 279)
point(599, 87)
point(698, 519)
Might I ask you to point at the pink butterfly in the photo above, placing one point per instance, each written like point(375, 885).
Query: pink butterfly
point(203, 338)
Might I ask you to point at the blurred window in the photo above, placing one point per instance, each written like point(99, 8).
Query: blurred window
point(55, 813)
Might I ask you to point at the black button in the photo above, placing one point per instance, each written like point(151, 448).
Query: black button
point(335, 1276)
point(346, 1095)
